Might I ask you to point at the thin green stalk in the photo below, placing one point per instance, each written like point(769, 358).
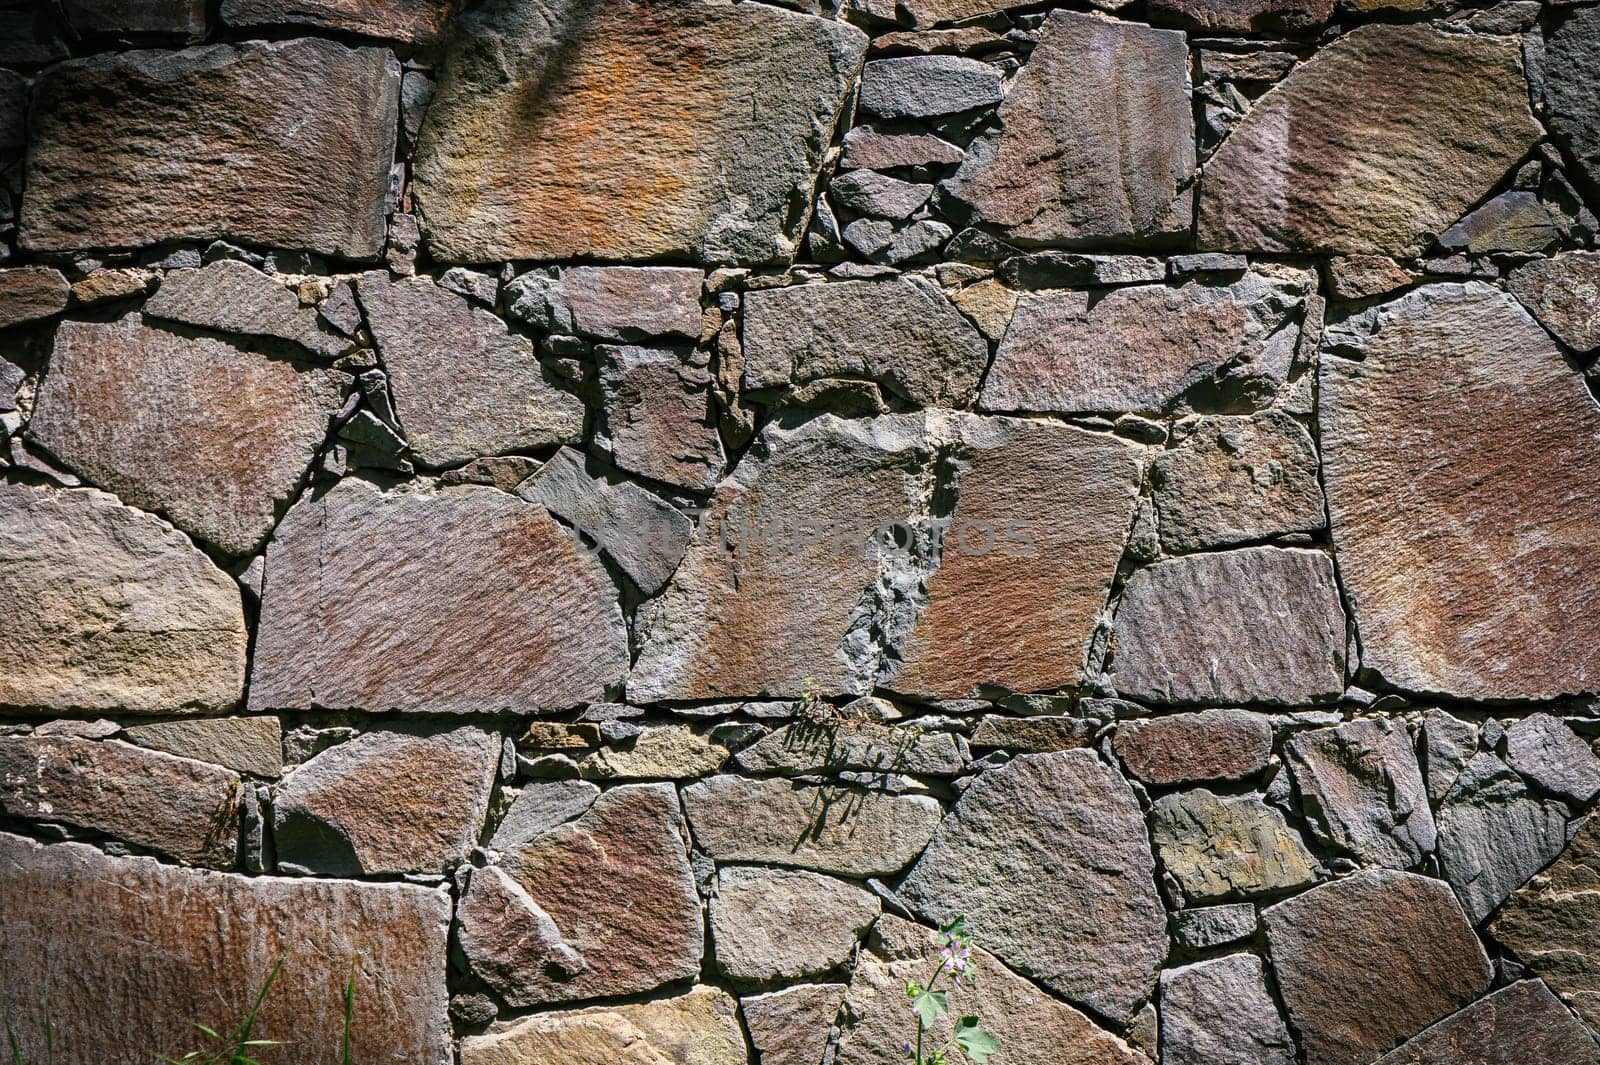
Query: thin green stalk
point(11, 1037)
point(249, 1024)
point(349, 1012)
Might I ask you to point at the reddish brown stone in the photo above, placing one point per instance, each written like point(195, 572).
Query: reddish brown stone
point(1243, 16)
point(659, 415)
point(699, 1028)
point(790, 1027)
point(1523, 1024)
point(1564, 294)
point(1552, 923)
point(413, 21)
point(1195, 748)
point(28, 293)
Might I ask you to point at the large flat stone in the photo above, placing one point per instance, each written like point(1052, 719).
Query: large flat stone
point(1552, 923)
point(785, 925)
point(456, 600)
point(1523, 1024)
point(1467, 550)
point(159, 948)
point(1493, 835)
point(247, 744)
point(1218, 1012)
point(699, 1028)
point(1571, 52)
point(1375, 145)
point(214, 437)
point(1048, 860)
point(234, 297)
point(103, 607)
point(1228, 846)
point(1546, 751)
point(579, 128)
point(234, 141)
point(412, 21)
point(1362, 791)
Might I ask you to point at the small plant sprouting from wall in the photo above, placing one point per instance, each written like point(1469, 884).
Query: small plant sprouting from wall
point(930, 1002)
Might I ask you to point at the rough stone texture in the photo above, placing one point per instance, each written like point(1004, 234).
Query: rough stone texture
point(541, 807)
point(659, 416)
point(1211, 745)
point(1429, 120)
point(1205, 927)
point(463, 385)
point(387, 802)
point(925, 86)
point(846, 831)
point(1523, 1024)
point(463, 599)
point(1514, 221)
point(612, 302)
point(590, 130)
point(1095, 138)
point(234, 141)
point(1495, 435)
point(1493, 835)
point(1362, 791)
point(213, 436)
point(1448, 744)
point(1547, 752)
point(247, 744)
point(148, 943)
point(104, 607)
point(28, 293)
point(806, 748)
point(416, 21)
point(1359, 277)
point(1244, 16)
point(785, 924)
point(234, 297)
point(790, 1027)
point(1564, 294)
point(174, 806)
point(699, 1028)
point(180, 18)
point(1552, 923)
point(1229, 846)
point(601, 905)
point(1259, 624)
point(1368, 961)
point(1049, 861)
point(1218, 1012)
point(1573, 97)
point(671, 752)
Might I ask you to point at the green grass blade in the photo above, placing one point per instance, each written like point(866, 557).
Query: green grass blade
point(247, 1026)
point(11, 1037)
point(349, 1012)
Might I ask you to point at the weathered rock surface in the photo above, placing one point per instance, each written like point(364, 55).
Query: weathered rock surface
point(462, 599)
point(234, 297)
point(1564, 294)
point(541, 807)
point(415, 21)
point(879, 195)
point(103, 607)
point(611, 302)
point(867, 147)
point(785, 924)
point(790, 1027)
point(387, 802)
point(29, 293)
point(846, 831)
point(247, 744)
point(699, 1028)
point(1431, 120)
point(214, 437)
point(1570, 54)
point(1048, 860)
point(805, 748)
point(1095, 138)
point(463, 384)
point(1362, 790)
point(179, 18)
point(1493, 835)
point(1370, 960)
point(1244, 16)
point(589, 130)
point(658, 415)
point(1547, 752)
point(926, 86)
point(601, 905)
point(1514, 221)
point(1259, 624)
point(1497, 434)
point(1523, 1024)
point(1031, 735)
point(173, 806)
point(1205, 927)
point(235, 141)
point(1195, 748)
point(1228, 846)
point(669, 752)
point(147, 943)
point(1448, 744)
point(1552, 923)
point(1218, 1012)
point(1359, 277)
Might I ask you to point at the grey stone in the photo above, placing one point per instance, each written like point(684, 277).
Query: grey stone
point(13, 111)
point(1207, 927)
point(807, 748)
point(1228, 846)
point(1191, 748)
point(1563, 292)
point(1514, 221)
point(235, 297)
point(927, 86)
point(1523, 1024)
point(1547, 752)
point(659, 416)
point(785, 924)
point(1067, 269)
point(790, 1027)
point(1218, 1012)
point(866, 147)
point(1493, 835)
point(1570, 54)
point(618, 303)
point(870, 193)
point(483, 288)
point(1362, 790)
point(540, 807)
point(247, 744)
point(1448, 744)
point(98, 729)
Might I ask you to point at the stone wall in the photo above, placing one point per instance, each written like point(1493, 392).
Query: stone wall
point(609, 520)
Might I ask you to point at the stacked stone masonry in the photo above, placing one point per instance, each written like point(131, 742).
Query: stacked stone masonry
point(601, 523)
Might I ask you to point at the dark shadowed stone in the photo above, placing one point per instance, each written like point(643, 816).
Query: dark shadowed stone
point(1231, 480)
point(1514, 221)
point(463, 599)
point(234, 297)
point(103, 607)
point(463, 384)
point(185, 809)
point(1368, 961)
point(1523, 1024)
point(1499, 435)
point(1218, 1012)
point(1049, 861)
point(1095, 138)
point(588, 129)
point(926, 86)
point(416, 21)
point(14, 111)
point(1243, 16)
point(248, 744)
point(658, 414)
point(1035, 1029)
point(1552, 923)
point(214, 437)
point(841, 830)
point(1204, 927)
point(1547, 752)
point(1571, 51)
point(160, 948)
point(387, 802)
point(699, 1028)
point(1260, 624)
point(1431, 119)
point(1493, 835)
point(234, 141)
point(785, 924)
point(179, 18)
point(601, 905)
point(904, 335)
point(1564, 294)
point(1228, 846)
point(806, 748)
point(1362, 790)
point(1191, 748)
point(790, 1027)
point(29, 293)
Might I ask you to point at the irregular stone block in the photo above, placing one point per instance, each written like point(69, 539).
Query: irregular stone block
point(174, 806)
point(926, 86)
point(1552, 923)
point(233, 141)
point(1499, 434)
point(412, 21)
point(1205, 927)
point(1368, 961)
point(806, 748)
point(103, 607)
point(13, 111)
point(840, 830)
point(179, 18)
point(1547, 752)
point(1493, 835)
point(1362, 790)
point(234, 297)
point(248, 744)
point(1244, 16)
point(148, 944)
point(541, 807)
point(708, 148)
point(866, 147)
point(457, 600)
point(29, 293)
point(612, 302)
point(1523, 1024)
point(387, 802)
point(658, 415)
point(1025, 735)
point(1218, 1012)
point(879, 195)
point(1448, 744)
point(670, 752)
point(1359, 277)
point(1195, 748)
point(1432, 119)
point(790, 1027)
point(1570, 54)
point(1228, 846)
point(699, 1028)
point(1095, 140)
point(1259, 624)
point(1049, 861)
point(214, 437)
point(1563, 292)
point(784, 924)
point(1514, 221)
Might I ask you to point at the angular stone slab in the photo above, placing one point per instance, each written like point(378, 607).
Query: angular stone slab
point(29, 293)
point(1552, 924)
point(1499, 435)
point(659, 415)
point(1563, 292)
point(456, 600)
point(611, 302)
point(785, 925)
point(700, 1028)
point(927, 86)
point(1493, 835)
point(1376, 144)
point(1259, 624)
point(233, 141)
point(1195, 748)
point(1570, 55)
point(1049, 861)
point(412, 21)
point(1228, 846)
point(1094, 142)
point(1218, 1012)
point(234, 297)
point(790, 1027)
point(1523, 1024)
point(214, 437)
point(806, 748)
point(591, 130)
point(247, 744)
point(1546, 751)
point(155, 946)
point(103, 607)
point(1243, 16)
point(1362, 791)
